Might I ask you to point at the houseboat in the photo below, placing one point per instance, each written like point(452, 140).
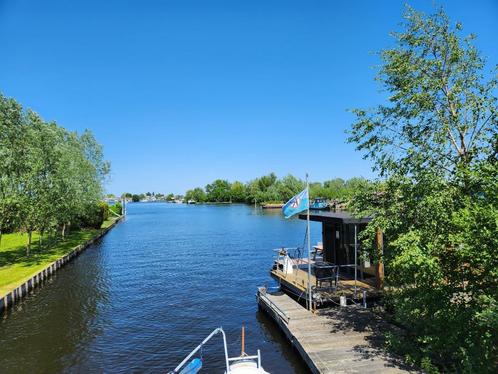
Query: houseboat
point(337, 269)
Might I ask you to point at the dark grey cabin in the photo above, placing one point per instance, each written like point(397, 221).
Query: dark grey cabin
point(338, 238)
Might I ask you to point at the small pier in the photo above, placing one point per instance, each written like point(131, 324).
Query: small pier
point(272, 206)
point(335, 340)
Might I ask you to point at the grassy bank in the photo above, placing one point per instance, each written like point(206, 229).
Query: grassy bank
point(16, 267)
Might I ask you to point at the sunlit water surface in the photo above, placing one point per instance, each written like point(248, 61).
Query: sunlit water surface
point(144, 296)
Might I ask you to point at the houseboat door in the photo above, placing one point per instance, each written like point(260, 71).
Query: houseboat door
point(331, 242)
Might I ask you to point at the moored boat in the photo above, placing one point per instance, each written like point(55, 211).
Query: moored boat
point(243, 364)
point(319, 203)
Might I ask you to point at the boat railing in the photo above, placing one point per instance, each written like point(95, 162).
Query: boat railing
point(293, 255)
point(218, 330)
point(243, 357)
point(257, 357)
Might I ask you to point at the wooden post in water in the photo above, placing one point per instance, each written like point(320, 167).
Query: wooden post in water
point(242, 343)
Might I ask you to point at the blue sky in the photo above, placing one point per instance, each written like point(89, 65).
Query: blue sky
point(183, 92)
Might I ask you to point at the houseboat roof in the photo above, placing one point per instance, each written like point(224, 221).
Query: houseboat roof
point(335, 217)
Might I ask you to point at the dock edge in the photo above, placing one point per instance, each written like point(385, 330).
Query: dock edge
point(282, 320)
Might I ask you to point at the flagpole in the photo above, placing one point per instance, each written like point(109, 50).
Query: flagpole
point(309, 244)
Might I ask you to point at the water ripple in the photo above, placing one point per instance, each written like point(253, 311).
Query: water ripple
point(151, 290)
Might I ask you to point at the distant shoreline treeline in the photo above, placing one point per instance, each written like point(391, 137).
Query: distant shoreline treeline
point(50, 178)
point(269, 188)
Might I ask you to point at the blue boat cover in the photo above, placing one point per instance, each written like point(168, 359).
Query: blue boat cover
point(193, 367)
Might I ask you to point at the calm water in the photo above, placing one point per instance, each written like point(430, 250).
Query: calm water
point(151, 290)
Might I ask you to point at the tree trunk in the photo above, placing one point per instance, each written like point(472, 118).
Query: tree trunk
point(379, 266)
point(63, 230)
point(40, 240)
point(28, 246)
point(0, 238)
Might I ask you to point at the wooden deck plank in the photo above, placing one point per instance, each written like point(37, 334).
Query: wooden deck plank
point(298, 280)
point(341, 340)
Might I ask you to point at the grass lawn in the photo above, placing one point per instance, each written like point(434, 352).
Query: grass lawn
point(16, 267)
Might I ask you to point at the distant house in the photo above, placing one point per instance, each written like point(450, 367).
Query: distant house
point(110, 200)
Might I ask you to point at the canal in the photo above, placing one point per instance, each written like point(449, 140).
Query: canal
point(151, 290)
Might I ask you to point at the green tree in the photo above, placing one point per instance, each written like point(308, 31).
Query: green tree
point(197, 194)
point(12, 150)
point(266, 181)
point(48, 176)
point(218, 191)
point(44, 151)
point(435, 144)
point(263, 189)
point(317, 190)
point(237, 192)
point(252, 191)
point(135, 198)
point(288, 187)
point(351, 186)
point(335, 188)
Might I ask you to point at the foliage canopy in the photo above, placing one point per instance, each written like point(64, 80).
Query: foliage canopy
point(435, 144)
point(270, 188)
point(50, 178)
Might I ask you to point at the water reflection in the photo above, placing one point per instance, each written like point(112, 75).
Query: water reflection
point(151, 290)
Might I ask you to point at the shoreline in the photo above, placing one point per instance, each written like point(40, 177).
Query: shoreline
point(24, 287)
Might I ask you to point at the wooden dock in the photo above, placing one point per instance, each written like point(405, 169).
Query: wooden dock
point(336, 340)
point(272, 206)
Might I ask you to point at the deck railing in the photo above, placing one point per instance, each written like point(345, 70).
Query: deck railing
point(262, 295)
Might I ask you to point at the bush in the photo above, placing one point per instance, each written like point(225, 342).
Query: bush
point(116, 208)
point(95, 215)
point(104, 211)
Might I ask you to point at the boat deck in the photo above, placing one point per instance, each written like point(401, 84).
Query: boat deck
point(297, 283)
point(336, 340)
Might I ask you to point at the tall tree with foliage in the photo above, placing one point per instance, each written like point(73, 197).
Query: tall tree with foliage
point(237, 192)
point(435, 145)
point(218, 191)
point(289, 186)
point(197, 194)
point(49, 178)
point(12, 150)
